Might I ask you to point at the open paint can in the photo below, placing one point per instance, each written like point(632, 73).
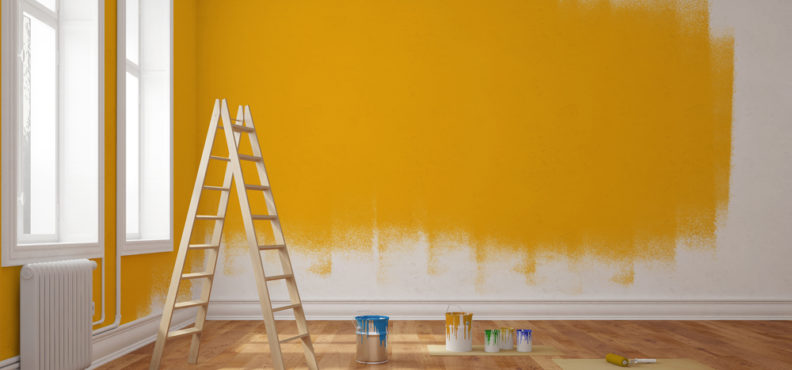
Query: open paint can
point(459, 327)
point(491, 340)
point(524, 340)
point(506, 340)
point(372, 339)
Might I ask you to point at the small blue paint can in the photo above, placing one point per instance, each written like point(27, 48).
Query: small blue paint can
point(372, 339)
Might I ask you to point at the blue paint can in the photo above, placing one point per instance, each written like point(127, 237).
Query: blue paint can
point(372, 339)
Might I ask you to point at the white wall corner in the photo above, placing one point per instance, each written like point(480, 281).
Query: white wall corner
point(115, 343)
point(521, 310)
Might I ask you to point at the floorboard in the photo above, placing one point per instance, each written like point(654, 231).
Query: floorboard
point(718, 344)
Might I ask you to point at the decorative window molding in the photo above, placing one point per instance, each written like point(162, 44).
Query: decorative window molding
point(145, 126)
point(52, 130)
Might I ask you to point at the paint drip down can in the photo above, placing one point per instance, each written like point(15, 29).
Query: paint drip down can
point(372, 339)
point(459, 327)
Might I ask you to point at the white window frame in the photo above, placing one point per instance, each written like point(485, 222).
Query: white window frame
point(143, 246)
point(14, 254)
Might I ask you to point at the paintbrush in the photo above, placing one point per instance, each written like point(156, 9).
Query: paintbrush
point(624, 361)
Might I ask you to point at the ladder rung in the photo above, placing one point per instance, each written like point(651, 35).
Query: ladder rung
point(271, 246)
point(186, 304)
point(208, 217)
point(282, 308)
point(256, 187)
point(265, 217)
point(298, 336)
point(219, 158)
point(245, 157)
point(242, 128)
point(279, 277)
point(204, 246)
point(196, 275)
point(178, 333)
point(238, 128)
point(220, 188)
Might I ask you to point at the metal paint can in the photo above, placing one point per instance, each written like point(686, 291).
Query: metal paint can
point(506, 340)
point(524, 340)
point(372, 339)
point(459, 327)
point(491, 338)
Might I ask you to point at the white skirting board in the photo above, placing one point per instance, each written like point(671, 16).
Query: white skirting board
point(115, 343)
point(740, 309)
point(10, 363)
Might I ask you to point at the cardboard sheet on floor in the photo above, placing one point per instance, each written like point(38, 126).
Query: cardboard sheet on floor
point(478, 350)
point(601, 364)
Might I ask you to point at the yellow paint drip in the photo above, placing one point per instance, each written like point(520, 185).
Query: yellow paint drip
point(456, 321)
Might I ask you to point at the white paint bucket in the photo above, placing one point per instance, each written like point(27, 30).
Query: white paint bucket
point(459, 327)
point(524, 340)
point(491, 339)
point(506, 339)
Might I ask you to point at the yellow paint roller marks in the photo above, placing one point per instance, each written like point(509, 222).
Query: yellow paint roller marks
point(593, 130)
point(324, 267)
point(626, 276)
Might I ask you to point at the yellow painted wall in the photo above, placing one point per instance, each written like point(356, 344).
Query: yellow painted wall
point(145, 276)
point(574, 128)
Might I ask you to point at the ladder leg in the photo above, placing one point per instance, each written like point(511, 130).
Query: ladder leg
point(181, 256)
point(255, 255)
point(283, 254)
point(211, 260)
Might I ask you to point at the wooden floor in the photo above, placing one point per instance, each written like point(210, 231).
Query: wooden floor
point(718, 344)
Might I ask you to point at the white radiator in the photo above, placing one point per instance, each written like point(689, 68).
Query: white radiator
point(55, 315)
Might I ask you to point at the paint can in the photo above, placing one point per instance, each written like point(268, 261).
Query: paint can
point(524, 340)
point(459, 327)
point(372, 339)
point(506, 339)
point(491, 339)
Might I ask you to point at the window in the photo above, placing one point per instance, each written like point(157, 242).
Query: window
point(145, 211)
point(52, 130)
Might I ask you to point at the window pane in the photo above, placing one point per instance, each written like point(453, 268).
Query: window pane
point(37, 189)
point(79, 121)
point(132, 157)
point(132, 30)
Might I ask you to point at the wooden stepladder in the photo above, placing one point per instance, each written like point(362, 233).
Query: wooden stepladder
point(233, 130)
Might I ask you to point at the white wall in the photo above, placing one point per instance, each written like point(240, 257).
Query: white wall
point(747, 275)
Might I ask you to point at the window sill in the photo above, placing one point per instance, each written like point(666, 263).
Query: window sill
point(134, 247)
point(45, 252)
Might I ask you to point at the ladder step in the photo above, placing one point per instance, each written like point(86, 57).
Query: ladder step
point(178, 333)
point(197, 275)
point(271, 246)
point(238, 128)
point(242, 128)
point(208, 217)
point(265, 217)
point(186, 304)
point(282, 308)
point(219, 188)
point(279, 277)
point(298, 336)
point(256, 187)
point(204, 246)
point(219, 158)
point(245, 157)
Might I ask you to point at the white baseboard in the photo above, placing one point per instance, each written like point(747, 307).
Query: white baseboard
point(521, 310)
point(10, 363)
point(115, 343)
